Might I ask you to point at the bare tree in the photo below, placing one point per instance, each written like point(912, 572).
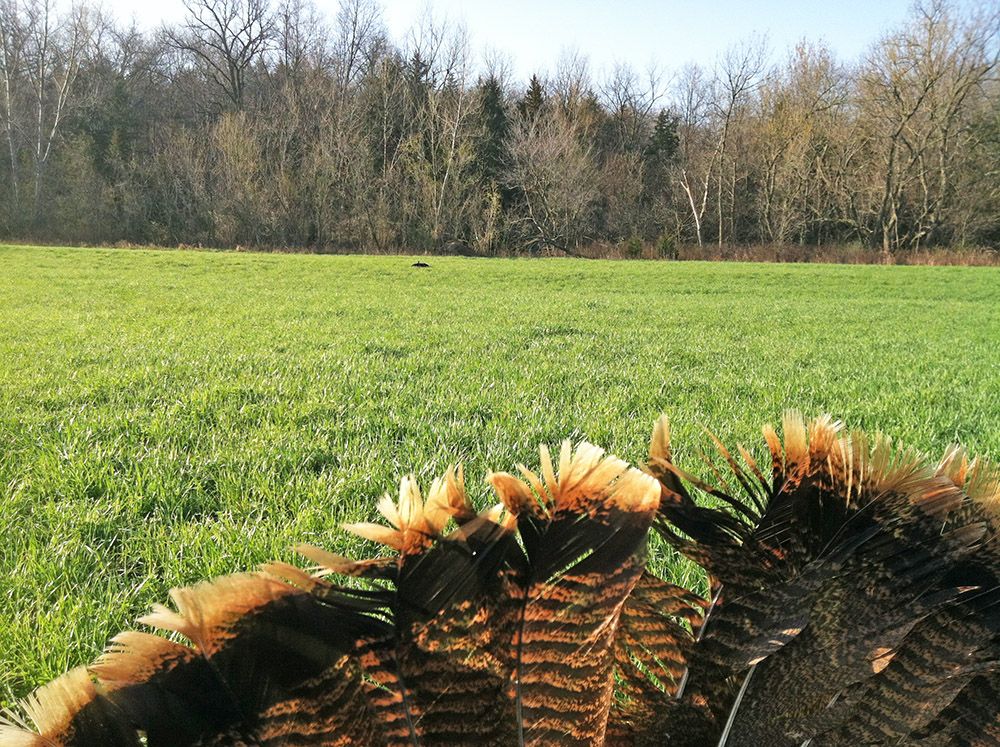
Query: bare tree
point(300, 38)
point(693, 94)
point(358, 33)
point(228, 37)
point(300, 128)
point(447, 122)
point(740, 72)
point(556, 177)
point(572, 90)
point(52, 53)
point(791, 132)
point(915, 88)
point(13, 38)
point(631, 100)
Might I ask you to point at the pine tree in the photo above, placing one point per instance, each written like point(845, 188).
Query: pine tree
point(491, 145)
point(418, 76)
point(664, 142)
point(661, 153)
point(534, 99)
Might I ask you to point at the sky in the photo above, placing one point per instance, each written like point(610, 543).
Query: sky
point(534, 34)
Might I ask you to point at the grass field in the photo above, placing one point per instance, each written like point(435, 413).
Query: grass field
point(169, 416)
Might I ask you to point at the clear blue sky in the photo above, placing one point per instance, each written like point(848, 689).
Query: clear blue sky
point(672, 32)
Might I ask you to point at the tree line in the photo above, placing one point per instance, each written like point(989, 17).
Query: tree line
point(266, 123)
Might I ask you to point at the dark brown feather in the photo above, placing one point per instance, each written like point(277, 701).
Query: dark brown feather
point(855, 599)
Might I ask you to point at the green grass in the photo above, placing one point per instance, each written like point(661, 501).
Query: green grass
point(170, 416)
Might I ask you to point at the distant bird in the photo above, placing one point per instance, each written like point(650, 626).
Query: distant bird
point(420, 264)
point(852, 600)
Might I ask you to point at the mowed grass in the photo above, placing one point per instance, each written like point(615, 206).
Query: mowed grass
point(169, 416)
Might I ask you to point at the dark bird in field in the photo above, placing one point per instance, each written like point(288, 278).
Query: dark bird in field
point(420, 264)
point(852, 593)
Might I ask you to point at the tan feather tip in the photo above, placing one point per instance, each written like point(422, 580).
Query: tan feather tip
point(586, 479)
point(513, 493)
point(854, 461)
point(659, 443)
point(328, 562)
point(983, 484)
point(549, 473)
point(164, 618)
point(542, 490)
point(415, 523)
point(776, 448)
point(636, 491)
point(824, 427)
point(448, 500)
point(206, 609)
point(293, 575)
point(954, 465)
point(134, 657)
point(383, 535)
point(751, 464)
point(901, 471)
point(796, 440)
point(824, 435)
point(52, 706)
point(880, 658)
point(497, 515)
point(875, 467)
point(12, 735)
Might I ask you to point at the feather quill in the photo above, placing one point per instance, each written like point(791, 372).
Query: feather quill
point(855, 599)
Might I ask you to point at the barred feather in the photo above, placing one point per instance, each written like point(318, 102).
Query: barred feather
point(855, 599)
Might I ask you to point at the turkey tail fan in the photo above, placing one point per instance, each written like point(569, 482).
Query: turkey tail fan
point(269, 663)
point(853, 600)
point(584, 537)
point(502, 631)
point(860, 608)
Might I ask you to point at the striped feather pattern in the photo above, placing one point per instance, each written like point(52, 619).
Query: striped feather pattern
point(853, 600)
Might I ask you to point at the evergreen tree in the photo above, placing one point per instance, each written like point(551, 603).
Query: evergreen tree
point(662, 151)
point(491, 145)
point(664, 142)
point(418, 70)
point(534, 99)
point(418, 78)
